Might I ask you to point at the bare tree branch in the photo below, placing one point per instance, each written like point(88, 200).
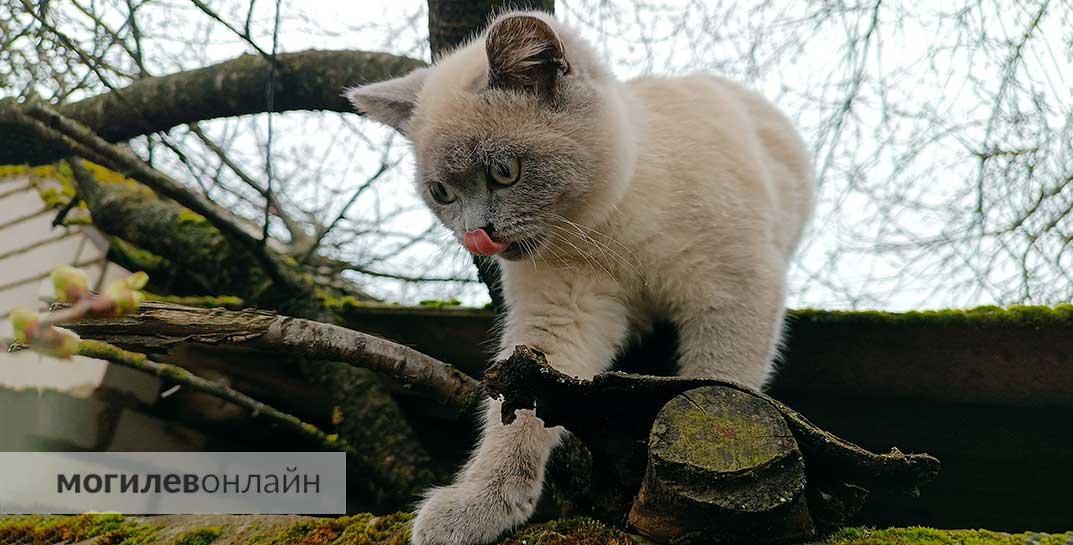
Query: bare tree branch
point(421, 374)
point(178, 375)
point(308, 80)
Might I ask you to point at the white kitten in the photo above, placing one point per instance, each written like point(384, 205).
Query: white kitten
point(609, 205)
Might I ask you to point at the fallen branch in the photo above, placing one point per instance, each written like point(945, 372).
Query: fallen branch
point(268, 331)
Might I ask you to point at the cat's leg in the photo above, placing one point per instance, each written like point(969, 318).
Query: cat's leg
point(580, 324)
point(731, 331)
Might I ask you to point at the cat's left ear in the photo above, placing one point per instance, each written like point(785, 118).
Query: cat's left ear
point(390, 102)
point(525, 54)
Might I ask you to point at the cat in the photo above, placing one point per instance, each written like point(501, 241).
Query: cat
point(608, 205)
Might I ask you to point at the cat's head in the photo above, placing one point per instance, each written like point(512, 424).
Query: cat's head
point(515, 134)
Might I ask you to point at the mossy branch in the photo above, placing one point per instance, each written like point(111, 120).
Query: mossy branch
point(178, 375)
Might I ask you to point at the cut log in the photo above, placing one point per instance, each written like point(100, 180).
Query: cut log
point(723, 467)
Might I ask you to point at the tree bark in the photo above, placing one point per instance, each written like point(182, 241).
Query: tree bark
point(452, 22)
point(307, 80)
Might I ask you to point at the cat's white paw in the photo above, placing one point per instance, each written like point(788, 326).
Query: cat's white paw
point(468, 513)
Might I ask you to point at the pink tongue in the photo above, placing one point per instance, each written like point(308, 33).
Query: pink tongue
point(478, 242)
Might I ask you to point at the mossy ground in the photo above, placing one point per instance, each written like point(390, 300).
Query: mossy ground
point(366, 529)
point(929, 536)
point(109, 529)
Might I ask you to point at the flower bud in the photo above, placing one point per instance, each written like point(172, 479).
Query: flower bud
point(71, 284)
point(23, 322)
point(124, 299)
point(137, 280)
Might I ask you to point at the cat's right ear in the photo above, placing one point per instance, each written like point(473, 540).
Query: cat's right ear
point(390, 102)
point(525, 54)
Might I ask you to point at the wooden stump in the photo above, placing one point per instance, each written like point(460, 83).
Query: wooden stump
point(723, 467)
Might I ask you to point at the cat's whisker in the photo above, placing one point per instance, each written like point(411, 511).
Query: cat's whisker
point(558, 256)
point(593, 263)
point(605, 249)
point(582, 229)
point(596, 232)
point(554, 238)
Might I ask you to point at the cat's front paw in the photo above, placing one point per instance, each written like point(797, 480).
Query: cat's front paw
point(468, 514)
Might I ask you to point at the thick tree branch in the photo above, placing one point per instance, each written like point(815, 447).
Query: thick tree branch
point(267, 331)
point(307, 80)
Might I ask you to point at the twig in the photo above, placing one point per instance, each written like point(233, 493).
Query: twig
point(174, 373)
point(244, 35)
point(299, 237)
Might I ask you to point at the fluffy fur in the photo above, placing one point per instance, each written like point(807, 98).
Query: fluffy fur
point(657, 198)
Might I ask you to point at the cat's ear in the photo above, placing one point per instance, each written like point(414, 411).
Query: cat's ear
point(524, 53)
point(390, 102)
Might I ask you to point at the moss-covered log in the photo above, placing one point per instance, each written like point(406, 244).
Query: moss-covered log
point(393, 529)
point(723, 467)
point(307, 80)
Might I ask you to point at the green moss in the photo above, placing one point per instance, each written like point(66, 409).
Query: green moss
point(133, 257)
point(77, 220)
point(61, 172)
point(363, 529)
point(201, 536)
point(432, 303)
point(743, 442)
point(109, 529)
point(986, 316)
point(394, 529)
point(54, 198)
point(928, 536)
point(573, 531)
point(339, 304)
point(206, 301)
point(189, 216)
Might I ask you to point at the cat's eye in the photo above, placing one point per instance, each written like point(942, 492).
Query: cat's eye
point(505, 172)
point(440, 193)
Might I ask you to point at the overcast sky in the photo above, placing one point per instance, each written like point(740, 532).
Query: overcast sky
point(895, 171)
